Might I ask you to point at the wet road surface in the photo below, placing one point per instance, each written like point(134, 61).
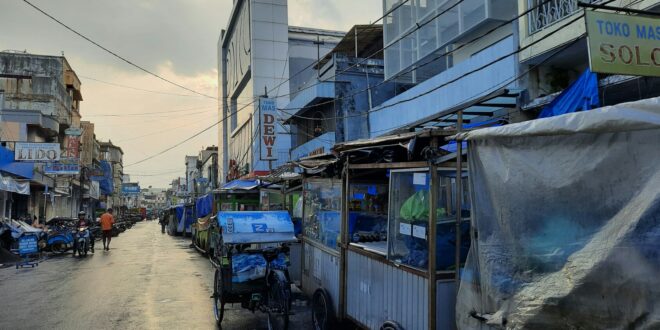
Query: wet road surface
point(147, 280)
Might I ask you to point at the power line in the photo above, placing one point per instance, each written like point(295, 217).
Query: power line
point(370, 111)
point(136, 88)
point(162, 131)
point(117, 55)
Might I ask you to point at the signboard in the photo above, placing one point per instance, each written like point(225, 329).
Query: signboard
point(27, 244)
point(62, 168)
point(72, 147)
point(130, 189)
point(623, 44)
point(36, 152)
point(73, 131)
point(267, 129)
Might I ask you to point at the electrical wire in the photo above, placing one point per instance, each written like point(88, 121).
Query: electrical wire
point(384, 107)
point(117, 55)
point(136, 88)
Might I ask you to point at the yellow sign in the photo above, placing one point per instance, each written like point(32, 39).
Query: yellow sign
point(623, 44)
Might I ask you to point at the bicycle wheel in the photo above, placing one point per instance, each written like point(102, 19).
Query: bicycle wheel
point(279, 300)
point(218, 299)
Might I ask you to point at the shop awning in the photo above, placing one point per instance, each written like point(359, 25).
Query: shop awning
point(11, 185)
point(487, 108)
point(8, 165)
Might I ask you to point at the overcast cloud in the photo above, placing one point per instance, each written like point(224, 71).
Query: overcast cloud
point(176, 39)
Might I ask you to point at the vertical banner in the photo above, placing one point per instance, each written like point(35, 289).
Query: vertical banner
point(267, 129)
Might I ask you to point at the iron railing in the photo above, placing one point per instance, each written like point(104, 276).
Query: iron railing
point(546, 13)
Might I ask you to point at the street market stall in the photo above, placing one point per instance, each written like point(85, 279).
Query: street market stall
point(406, 230)
point(566, 210)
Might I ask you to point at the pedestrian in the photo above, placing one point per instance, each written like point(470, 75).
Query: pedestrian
point(107, 220)
point(161, 220)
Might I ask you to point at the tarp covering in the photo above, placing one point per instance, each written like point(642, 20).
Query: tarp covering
point(581, 95)
point(105, 181)
point(240, 185)
point(9, 184)
point(180, 218)
point(256, 227)
point(567, 223)
point(204, 206)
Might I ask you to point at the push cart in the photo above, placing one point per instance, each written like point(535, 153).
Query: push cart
point(251, 264)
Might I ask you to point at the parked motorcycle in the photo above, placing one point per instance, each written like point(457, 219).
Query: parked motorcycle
point(60, 234)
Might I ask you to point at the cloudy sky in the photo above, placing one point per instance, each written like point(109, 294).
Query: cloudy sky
point(176, 39)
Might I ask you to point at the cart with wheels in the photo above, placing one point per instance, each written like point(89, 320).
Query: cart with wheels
point(251, 264)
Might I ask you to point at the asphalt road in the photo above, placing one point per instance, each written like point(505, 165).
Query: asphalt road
point(147, 280)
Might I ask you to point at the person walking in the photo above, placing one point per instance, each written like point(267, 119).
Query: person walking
point(161, 220)
point(107, 220)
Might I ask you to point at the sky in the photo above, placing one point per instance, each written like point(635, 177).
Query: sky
point(175, 39)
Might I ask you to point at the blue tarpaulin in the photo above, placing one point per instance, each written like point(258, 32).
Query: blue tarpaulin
point(204, 205)
point(240, 185)
point(105, 181)
point(581, 95)
point(7, 164)
point(178, 210)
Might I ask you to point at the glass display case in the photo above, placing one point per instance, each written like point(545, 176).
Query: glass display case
point(409, 218)
point(322, 211)
point(367, 219)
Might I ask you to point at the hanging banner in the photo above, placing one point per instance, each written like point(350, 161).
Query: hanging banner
point(36, 152)
point(267, 129)
point(72, 147)
point(623, 44)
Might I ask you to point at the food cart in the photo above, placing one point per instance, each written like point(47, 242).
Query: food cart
point(251, 261)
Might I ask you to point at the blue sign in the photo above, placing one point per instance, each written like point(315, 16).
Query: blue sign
point(28, 244)
point(61, 168)
point(130, 189)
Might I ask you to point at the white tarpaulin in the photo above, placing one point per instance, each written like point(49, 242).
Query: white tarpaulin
point(9, 184)
point(566, 212)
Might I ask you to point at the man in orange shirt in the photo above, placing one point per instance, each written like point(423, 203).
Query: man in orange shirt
point(107, 220)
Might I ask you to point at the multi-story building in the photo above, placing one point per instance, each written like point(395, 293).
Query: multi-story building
point(114, 156)
point(39, 100)
point(455, 53)
point(334, 104)
point(152, 198)
point(207, 162)
point(259, 54)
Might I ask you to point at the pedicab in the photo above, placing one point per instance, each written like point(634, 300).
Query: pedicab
point(251, 264)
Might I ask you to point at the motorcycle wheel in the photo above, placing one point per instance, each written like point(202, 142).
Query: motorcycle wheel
point(81, 250)
point(58, 248)
point(279, 302)
point(218, 299)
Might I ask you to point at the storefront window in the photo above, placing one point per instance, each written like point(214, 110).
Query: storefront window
point(322, 211)
point(409, 219)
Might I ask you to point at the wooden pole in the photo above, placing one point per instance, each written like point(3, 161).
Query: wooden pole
point(432, 237)
point(459, 197)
